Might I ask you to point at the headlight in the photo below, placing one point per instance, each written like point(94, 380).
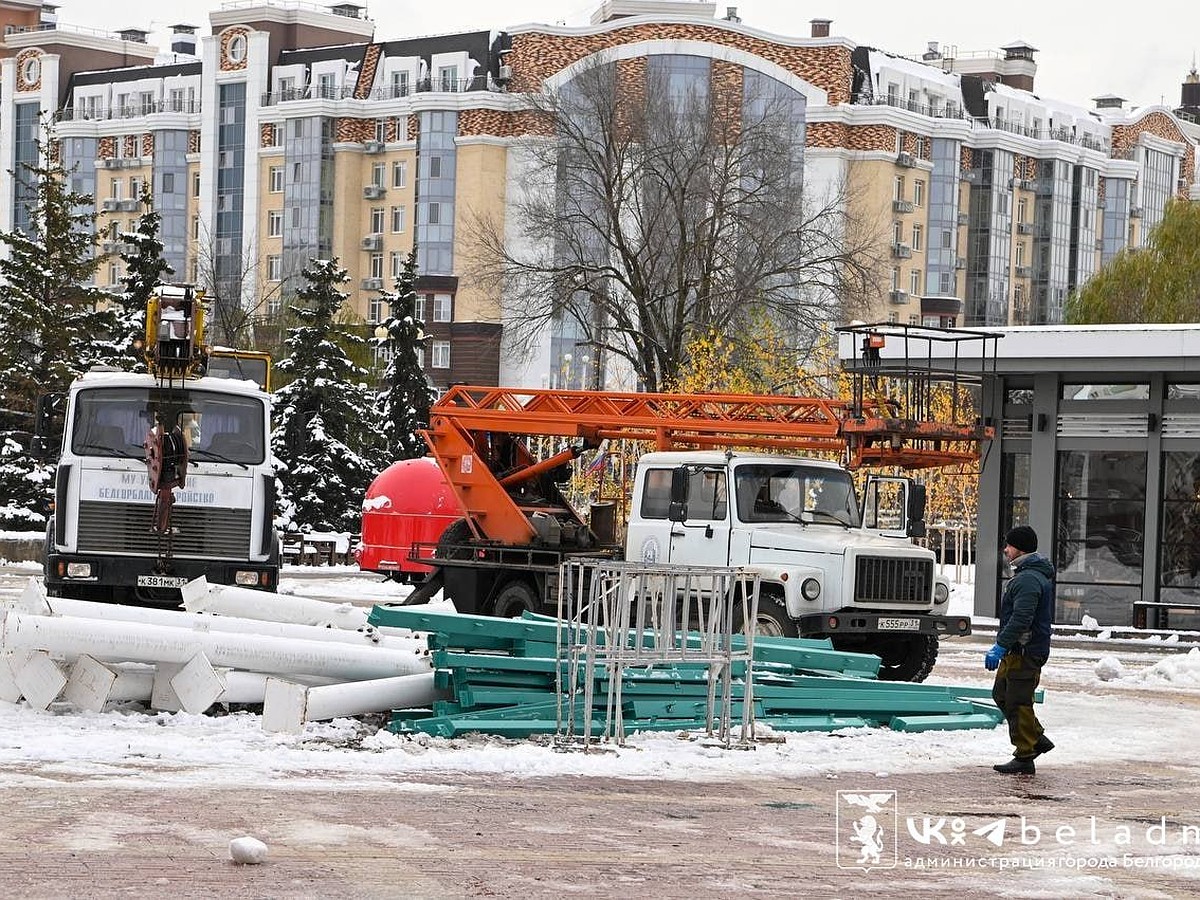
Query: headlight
point(245, 579)
point(941, 592)
point(79, 570)
point(810, 589)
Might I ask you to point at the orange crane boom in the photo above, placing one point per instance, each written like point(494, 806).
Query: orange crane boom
point(471, 437)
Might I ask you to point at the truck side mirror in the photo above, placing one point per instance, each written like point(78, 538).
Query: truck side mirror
point(677, 510)
point(916, 510)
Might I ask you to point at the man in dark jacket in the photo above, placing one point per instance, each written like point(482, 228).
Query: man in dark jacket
point(1022, 648)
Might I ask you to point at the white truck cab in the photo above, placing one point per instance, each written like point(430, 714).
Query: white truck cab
point(828, 564)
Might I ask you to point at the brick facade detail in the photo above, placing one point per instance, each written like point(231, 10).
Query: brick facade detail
point(355, 130)
point(193, 142)
point(106, 147)
point(23, 57)
point(148, 144)
point(129, 143)
point(834, 135)
point(1159, 124)
point(227, 64)
point(537, 56)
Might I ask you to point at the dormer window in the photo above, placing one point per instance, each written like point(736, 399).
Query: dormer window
point(237, 48)
point(31, 70)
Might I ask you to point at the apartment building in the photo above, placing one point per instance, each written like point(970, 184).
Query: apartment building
point(291, 130)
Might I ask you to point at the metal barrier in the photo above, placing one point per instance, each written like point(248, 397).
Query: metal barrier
point(617, 616)
point(957, 541)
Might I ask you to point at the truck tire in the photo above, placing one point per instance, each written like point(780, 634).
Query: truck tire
point(773, 619)
point(908, 658)
point(457, 532)
point(514, 598)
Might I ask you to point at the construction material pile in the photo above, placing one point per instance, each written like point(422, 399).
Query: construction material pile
point(507, 677)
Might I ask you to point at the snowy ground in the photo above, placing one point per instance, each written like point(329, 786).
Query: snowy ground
point(1084, 686)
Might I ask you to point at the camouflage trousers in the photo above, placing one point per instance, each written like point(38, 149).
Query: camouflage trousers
point(1016, 681)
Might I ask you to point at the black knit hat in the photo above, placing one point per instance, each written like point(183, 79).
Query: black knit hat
point(1023, 538)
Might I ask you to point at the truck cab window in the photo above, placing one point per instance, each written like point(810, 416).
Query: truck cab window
point(708, 496)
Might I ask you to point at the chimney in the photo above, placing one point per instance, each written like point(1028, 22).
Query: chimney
point(135, 35)
point(1190, 94)
point(731, 15)
point(820, 27)
point(1109, 101)
point(932, 52)
point(183, 39)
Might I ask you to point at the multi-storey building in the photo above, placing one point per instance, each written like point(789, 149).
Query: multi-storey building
point(292, 131)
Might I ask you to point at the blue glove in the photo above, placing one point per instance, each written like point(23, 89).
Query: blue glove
point(992, 660)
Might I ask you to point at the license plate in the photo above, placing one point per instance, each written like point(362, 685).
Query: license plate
point(164, 581)
point(899, 624)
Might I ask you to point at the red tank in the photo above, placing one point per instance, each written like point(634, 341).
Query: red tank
point(408, 502)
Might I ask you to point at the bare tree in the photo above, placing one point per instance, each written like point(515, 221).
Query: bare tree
point(670, 207)
point(239, 294)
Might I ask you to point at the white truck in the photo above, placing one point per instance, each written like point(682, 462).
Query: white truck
point(163, 477)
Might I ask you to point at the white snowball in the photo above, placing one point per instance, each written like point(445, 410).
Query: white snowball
point(1109, 668)
point(247, 851)
point(1089, 622)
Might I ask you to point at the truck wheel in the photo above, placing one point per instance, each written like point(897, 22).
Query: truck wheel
point(906, 658)
point(457, 533)
point(513, 599)
point(773, 619)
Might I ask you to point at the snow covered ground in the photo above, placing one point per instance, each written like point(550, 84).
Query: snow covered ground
point(1084, 686)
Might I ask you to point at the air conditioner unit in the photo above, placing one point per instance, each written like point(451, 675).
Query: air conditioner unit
point(504, 74)
point(898, 296)
point(131, 162)
point(1024, 272)
point(111, 204)
point(374, 191)
point(1024, 228)
point(109, 247)
point(960, 262)
point(112, 162)
point(372, 284)
point(902, 206)
point(372, 146)
point(901, 251)
point(906, 160)
point(964, 218)
point(131, 205)
point(971, 175)
point(373, 242)
point(1135, 212)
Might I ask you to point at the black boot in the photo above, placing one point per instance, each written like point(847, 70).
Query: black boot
point(1043, 745)
point(1018, 765)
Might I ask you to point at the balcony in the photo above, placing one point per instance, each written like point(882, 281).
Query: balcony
point(898, 296)
point(1135, 212)
point(1024, 228)
point(906, 160)
point(1024, 271)
point(374, 192)
point(373, 242)
point(110, 204)
point(372, 147)
point(130, 111)
point(901, 251)
point(372, 284)
point(902, 206)
point(483, 82)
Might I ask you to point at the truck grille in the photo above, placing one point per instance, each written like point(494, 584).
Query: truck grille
point(125, 528)
point(890, 579)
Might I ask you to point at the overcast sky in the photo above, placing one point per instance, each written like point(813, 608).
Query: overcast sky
point(1141, 52)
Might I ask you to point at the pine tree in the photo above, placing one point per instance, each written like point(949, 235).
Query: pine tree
point(144, 270)
point(406, 397)
point(52, 323)
point(324, 436)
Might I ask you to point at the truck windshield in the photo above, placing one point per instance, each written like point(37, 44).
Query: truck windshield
point(217, 427)
point(795, 493)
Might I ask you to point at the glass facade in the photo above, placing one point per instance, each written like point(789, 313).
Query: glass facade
point(170, 195)
point(1100, 539)
point(435, 192)
point(1051, 240)
point(1179, 560)
point(25, 152)
point(942, 251)
point(231, 179)
point(1157, 186)
point(989, 240)
point(307, 195)
point(1084, 190)
point(1115, 234)
point(78, 158)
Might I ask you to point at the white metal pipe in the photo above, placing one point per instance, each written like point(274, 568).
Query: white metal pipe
point(240, 687)
point(69, 637)
point(287, 707)
point(230, 600)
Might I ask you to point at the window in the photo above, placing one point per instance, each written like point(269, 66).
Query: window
point(376, 267)
point(115, 188)
point(399, 84)
point(375, 309)
point(914, 282)
point(918, 193)
point(295, 216)
point(377, 174)
point(114, 273)
point(113, 228)
point(275, 134)
point(397, 260)
point(397, 219)
point(175, 100)
point(399, 173)
point(135, 187)
point(287, 88)
point(435, 167)
point(381, 130)
point(441, 308)
point(274, 268)
point(376, 220)
point(275, 223)
point(898, 188)
point(919, 146)
point(195, 230)
point(895, 279)
point(419, 307)
point(707, 494)
point(947, 240)
point(914, 319)
point(237, 48)
point(146, 102)
point(195, 184)
point(440, 355)
point(1020, 254)
point(435, 214)
point(918, 236)
point(325, 86)
point(274, 178)
point(893, 318)
point(448, 78)
point(32, 70)
point(897, 233)
point(297, 172)
point(168, 183)
point(1022, 208)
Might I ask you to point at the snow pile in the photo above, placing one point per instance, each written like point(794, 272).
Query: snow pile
point(1181, 670)
point(1089, 622)
point(247, 851)
point(1109, 668)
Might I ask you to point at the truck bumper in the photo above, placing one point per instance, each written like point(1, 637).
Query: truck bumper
point(118, 576)
point(857, 621)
